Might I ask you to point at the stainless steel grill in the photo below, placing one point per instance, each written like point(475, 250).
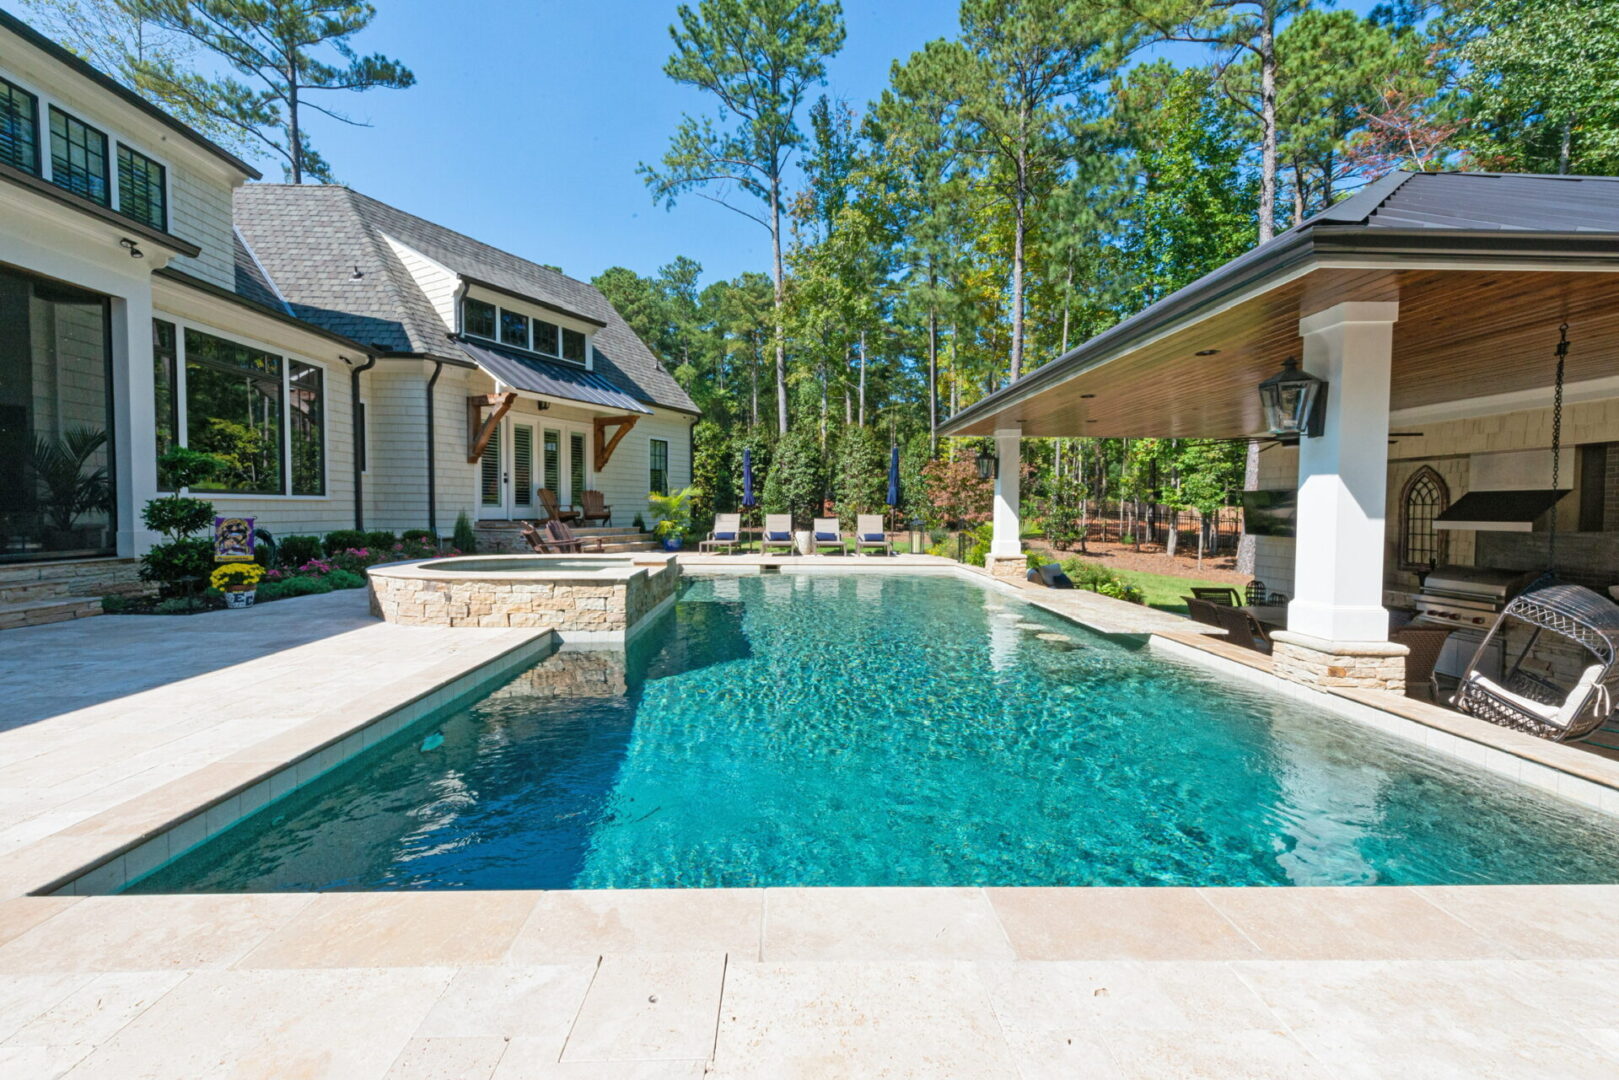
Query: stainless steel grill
point(1465, 596)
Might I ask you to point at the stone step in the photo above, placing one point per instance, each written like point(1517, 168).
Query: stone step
point(55, 609)
point(14, 591)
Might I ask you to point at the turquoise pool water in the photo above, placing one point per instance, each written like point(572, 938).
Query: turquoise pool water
point(877, 730)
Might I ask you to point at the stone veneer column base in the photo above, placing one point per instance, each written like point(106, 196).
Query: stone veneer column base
point(1007, 567)
point(1370, 665)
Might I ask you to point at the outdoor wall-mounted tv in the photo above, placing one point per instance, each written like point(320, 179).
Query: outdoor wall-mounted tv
point(1269, 513)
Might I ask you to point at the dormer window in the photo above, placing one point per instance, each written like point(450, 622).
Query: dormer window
point(573, 346)
point(513, 328)
point(79, 157)
point(478, 318)
point(19, 128)
point(481, 319)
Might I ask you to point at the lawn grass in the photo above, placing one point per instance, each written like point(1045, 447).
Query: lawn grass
point(1164, 591)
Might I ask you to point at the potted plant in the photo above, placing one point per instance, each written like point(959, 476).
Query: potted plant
point(673, 516)
point(239, 582)
point(69, 486)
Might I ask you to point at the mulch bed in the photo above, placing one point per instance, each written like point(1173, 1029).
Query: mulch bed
point(1151, 559)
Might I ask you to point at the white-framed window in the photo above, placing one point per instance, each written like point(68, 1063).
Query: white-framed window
point(52, 140)
point(504, 326)
point(262, 412)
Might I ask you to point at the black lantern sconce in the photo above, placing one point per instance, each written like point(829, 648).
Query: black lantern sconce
point(989, 466)
point(1294, 402)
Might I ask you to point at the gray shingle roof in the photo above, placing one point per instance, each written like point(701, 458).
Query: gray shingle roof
point(1513, 202)
point(310, 238)
point(250, 280)
point(1461, 215)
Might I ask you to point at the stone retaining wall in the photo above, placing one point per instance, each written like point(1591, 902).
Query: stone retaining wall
point(577, 605)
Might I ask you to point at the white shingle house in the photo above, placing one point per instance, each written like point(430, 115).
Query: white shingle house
point(361, 367)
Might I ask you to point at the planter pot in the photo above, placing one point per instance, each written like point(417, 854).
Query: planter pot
point(672, 543)
point(804, 540)
point(240, 598)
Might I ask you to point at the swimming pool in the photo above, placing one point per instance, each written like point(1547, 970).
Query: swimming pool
point(889, 730)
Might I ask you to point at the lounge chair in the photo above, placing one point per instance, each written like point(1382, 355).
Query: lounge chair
point(593, 507)
point(553, 512)
point(778, 534)
point(1201, 611)
point(1240, 628)
point(1222, 594)
point(563, 538)
point(1051, 576)
point(868, 533)
point(827, 533)
point(727, 533)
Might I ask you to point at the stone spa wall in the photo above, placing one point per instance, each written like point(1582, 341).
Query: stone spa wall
point(608, 603)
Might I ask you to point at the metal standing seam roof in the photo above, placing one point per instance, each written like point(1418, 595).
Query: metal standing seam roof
point(536, 376)
point(1539, 216)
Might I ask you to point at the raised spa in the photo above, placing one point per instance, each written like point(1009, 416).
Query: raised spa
point(602, 596)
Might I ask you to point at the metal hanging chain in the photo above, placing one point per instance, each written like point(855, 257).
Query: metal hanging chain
point(1557, 442)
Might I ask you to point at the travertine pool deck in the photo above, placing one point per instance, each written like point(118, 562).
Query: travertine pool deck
point(111, 724)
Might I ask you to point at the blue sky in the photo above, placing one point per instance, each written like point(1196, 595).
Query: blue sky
point(529, 118)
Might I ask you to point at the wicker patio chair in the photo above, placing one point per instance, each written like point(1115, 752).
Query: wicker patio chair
point(778, 533)
point(593, 507)
point(1201, 611)
point(553, 512)
point(1240, 628)
point(727, 533)
point(1525, 701)
point(869, 534)
point(1255, 593)
point(1425, 643)
point(1222, 594)
point(827, 533)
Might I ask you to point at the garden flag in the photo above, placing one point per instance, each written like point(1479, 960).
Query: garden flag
point(233, 539)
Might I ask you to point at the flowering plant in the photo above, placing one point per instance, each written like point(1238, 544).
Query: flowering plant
point(244, 575)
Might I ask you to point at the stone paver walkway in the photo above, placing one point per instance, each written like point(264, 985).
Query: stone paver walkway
point(782, 983)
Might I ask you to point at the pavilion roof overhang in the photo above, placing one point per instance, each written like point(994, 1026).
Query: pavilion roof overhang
point(1479, 310)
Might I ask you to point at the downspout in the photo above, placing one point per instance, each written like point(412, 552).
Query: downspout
point(432, 484)
point(359, 439)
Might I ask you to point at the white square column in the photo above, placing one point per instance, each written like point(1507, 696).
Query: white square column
point(1005, 549)
point(1343, 477)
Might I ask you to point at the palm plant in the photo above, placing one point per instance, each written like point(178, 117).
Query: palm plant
point(69, 488)
point(672, 511)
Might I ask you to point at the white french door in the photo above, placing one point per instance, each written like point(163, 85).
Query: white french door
point(506, 472)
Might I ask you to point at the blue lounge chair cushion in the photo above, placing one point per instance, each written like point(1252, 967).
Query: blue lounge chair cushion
point(830, 538)
point(725, 536)
point(874, 538)
point(778, 536)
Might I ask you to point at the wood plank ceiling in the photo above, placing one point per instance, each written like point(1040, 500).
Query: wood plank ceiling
point(1461, 334)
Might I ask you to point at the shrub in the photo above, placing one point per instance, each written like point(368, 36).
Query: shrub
point(465, 538)
point(297, 550)
point(178, 605)
point(345, 579)
point(380, 539)
point(300, 585)
point(1099, 579)
point(182, 559)
point(979, 539)
point(797, 481)
point(343, 539)
point(862, 480)
point(423, 536)
point(115, 604)
point(1063, 520)
point(354, 560)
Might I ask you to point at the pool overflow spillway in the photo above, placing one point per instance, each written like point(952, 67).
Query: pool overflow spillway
point(581, 597)
point(887, 729)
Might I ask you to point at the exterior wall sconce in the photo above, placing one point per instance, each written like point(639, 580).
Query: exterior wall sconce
point(989, 466)
point(130, 246)
point(1294, 402)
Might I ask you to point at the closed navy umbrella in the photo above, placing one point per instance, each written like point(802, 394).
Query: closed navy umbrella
point(893, 476)
point(747, 477)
